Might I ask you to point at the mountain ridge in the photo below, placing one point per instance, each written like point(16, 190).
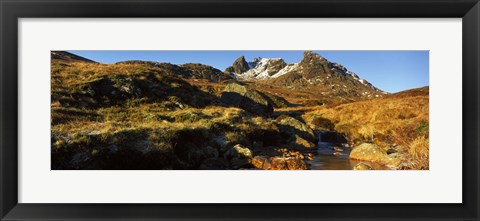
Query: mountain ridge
point(312, 72)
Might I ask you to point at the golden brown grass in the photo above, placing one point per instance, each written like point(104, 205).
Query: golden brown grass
point(419, 152)
point(381, 121)
point(401, 120)
point(67, 75)
point(387, 122)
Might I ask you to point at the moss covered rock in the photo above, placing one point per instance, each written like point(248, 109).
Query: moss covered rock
point(246, 98)
point(369, 152)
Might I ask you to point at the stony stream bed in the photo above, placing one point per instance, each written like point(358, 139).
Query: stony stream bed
point(333, 154)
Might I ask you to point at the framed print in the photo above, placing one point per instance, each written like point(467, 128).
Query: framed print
point(318, 110)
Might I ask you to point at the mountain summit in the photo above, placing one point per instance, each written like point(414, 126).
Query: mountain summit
point(313, 73)
point(239, 66)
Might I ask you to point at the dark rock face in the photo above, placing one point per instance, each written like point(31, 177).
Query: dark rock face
point(248, 99)
point(240, 65)
point(332, 137)
point(314, 65)
point(275, 65)
point(229, 70)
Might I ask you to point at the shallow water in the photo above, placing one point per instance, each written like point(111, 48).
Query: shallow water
point(330, 159)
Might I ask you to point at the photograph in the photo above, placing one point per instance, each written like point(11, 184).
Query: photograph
point(239, 110)
point(175, 110)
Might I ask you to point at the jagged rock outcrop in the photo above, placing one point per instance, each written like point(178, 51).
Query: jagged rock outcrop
point(239, 66)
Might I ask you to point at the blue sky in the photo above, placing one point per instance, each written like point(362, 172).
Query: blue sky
point(391, 71)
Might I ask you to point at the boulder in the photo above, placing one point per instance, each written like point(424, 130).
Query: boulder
point(369, 152)
point(302, 143)
point(248, 99)
point(279, 163)
point(362, 166)
point(238, 151)
point(295, 127)
point(394, 160)
point(113, 89)
point(288, 163)
point(239, 156)
point(296, 164)
point(261, 162)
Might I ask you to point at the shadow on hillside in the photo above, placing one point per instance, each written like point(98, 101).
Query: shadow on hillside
point(120, 90)
point(292, 113)
point(187, 148)
point(234, 99)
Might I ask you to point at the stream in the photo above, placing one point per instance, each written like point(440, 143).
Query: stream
point(333, 154)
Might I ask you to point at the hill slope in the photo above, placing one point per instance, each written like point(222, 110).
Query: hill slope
point(63, 56)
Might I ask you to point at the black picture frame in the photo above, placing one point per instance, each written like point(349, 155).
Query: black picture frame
point(11, 11)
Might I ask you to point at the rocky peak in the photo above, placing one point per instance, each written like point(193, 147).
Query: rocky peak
point(313, 59)
point(240, 65)
point(262, 68)
point(313, 72)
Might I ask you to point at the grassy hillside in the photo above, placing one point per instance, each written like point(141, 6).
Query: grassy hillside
point(398, 120)
point(140, 115)
point(135, 116)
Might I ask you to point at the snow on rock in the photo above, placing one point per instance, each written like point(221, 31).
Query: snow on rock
point(258, 69)
point(285, 70)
